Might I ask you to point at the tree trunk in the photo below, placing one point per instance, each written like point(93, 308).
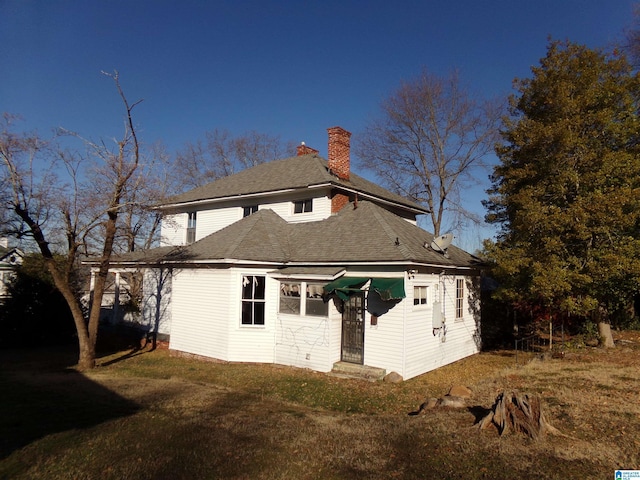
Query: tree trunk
point(86, 348)
point(518, 412)
point(605, 335)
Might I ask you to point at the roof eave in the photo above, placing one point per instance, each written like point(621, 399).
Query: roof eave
point(413, 209)
point(315, 186)
point(205, 201)
point(406, 263)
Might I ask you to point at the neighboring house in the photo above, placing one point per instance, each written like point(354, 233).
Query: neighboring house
point(301, 262)
point(10, 260)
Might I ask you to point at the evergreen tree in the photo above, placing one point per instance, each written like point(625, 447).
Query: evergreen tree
point(35, 313)
point(566, 192)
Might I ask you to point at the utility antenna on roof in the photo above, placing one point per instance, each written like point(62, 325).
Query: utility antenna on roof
point(441, 244)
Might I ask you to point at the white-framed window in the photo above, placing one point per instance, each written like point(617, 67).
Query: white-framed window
point(314, 304)
point(253, 299)
point(420, 295)
point(459, 298)
point(291, 300)
point(191, 227)
point(303, 206)
point(246, 211)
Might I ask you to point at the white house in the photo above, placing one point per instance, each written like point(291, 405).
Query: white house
point(10, 260)
point(301, 262)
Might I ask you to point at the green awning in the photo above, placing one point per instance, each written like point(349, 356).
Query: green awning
point(345, 286)
point(388, 288)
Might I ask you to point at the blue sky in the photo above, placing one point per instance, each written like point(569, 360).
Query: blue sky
point(287, 68)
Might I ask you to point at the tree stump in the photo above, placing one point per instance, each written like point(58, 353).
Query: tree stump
point(518, 412)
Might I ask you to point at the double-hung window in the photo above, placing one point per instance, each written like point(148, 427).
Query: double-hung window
point(253, 299)
point(459, 298)
point(191, 227)
point(419, 295)
point(303, 206)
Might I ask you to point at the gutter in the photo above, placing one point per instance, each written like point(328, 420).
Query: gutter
point(317, 186)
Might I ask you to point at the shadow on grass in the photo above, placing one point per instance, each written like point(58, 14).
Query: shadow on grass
point(134, 352)
point(41, 395)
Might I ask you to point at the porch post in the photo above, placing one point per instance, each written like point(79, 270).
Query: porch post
point(116, 299)
point(92, 285)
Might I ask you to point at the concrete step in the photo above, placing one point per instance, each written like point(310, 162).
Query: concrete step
point(362, 372)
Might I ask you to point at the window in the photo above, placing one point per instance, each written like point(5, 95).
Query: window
point(303, 206)
point(253, 299)
point(314, 304)
point(290, 298)
point(191, 227)
point(459, 297)
point(249, 210)
point(420, 295)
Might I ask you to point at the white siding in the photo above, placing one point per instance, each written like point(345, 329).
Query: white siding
point(201, 312)
point(459, 339)
point(210, 221)
point(304, 341)
point(156, 300)
point(173, 229)
point(207, 316)
point(384, 342)
point(251, 343)
point(206, 320)
point(335, 334)
point(217, 216)
point(284, 208)
point(214, 219)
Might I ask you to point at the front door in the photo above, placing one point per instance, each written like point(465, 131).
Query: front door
point(353, 329)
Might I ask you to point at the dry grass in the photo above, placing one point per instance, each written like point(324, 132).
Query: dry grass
point(154, 416)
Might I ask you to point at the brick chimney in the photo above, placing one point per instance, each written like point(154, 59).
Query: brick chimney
point(304, 150)
point(339, 162)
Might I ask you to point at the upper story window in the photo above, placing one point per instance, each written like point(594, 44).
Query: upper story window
point(419, 295)
point(191, 227)
point(303, 206)
point(253, 299)
point(249, 210)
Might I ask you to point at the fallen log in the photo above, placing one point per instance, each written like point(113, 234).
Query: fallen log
point(518, 412)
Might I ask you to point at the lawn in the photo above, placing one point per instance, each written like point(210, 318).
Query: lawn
point(150, 415)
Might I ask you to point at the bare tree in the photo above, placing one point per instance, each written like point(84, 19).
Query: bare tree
point(40, 204)
point(631, 41)
point(429, 142)
point(221, 154)
point(154, 181)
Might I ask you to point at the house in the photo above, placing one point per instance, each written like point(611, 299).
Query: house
point(10, 260)
point(301, 262)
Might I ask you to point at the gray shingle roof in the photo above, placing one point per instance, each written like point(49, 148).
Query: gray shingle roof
point(365, 234)
point(289, 173)
point(369, 233)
